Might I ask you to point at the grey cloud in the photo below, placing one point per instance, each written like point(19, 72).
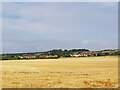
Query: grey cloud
point(43, 26)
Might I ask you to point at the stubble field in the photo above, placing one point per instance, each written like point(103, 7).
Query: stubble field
point(85, 72)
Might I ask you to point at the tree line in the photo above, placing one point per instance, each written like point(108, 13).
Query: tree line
point(51, 54)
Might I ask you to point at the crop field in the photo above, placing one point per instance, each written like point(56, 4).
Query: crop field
point(83, 72)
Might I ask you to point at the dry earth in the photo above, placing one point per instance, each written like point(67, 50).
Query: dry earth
point(85, 72)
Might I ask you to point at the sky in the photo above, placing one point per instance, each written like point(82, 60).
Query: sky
point(42, 26)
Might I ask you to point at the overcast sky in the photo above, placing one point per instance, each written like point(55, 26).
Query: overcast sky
point(29, 27)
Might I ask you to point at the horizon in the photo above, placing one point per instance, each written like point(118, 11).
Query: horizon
point(37, 26)
point(55, 49)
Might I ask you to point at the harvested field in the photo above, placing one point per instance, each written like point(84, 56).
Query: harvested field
point(85, 72)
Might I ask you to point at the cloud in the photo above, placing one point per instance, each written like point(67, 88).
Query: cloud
point(42, 26)
point(85, 42)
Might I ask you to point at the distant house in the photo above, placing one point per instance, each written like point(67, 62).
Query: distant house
point(85, 54)
point(78, 55)
point(27, 57)
point(49, 57)
point(20, 57)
